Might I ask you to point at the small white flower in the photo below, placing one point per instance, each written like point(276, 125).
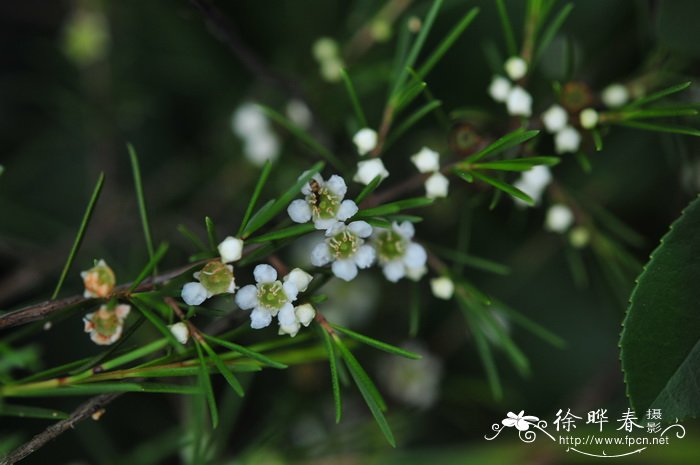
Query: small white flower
point(519, 102)
point(268, 298)
point(567, 140)
point(533, 182)
point(515, 67)
point(231, 249)
point(559, 218)
point(99, 281)
point(248, 119)
point(180, 331)
point(396, 252)
point(499, 88)
point(325, 48)
point(426, 161)
point(345, 248)
point(365, 140)
point(215, 278)
point(436, 186)
point(588, 118)
point(555, 118)
point(261, 146)
point(299, 114)
point(106, 324)
point(330, 69)
point(442, 287)
point(323, 203)
point(615, 95)
point(367, 170)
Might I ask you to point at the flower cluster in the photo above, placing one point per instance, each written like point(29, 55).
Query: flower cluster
point(217, 276)
point(428, 161)
point(324, 203)
point(260, 143)
point(518, 101)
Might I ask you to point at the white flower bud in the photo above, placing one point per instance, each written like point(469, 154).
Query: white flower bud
point(248, 119)
point(365, 140)
point(516, 68)
point(180, 331)
point(231, 249)
point(519, 102)
point(426, 160)
point(555, 118)
point(559, 218)
point(442, 287)
point(299, 278)
point(194, 293)
point(436, 186)
point(579, 237)
point(325, 48)
point(330, 69)
point(305, 313)
point(615, 95)
point(367, 170)
point(292, 329)
point(499, 88)
point(589, 118)
point(416, 273)
point(567, 140)
point(299, 113)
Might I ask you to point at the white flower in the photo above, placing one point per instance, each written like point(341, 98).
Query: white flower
point(215, 278)
point(426, 160)
point(615, 95)
point(345, 248)
point(413, 382)
point(436, 185)
point(555, 118)
point(231, 249)
point(515, 67)
point(533, 182)
point(325, 48)
point(559, 218)
point(365, 140)
point(106, 324)
point(396, 252)
point(99, 281)
point(299, 113)
point(367, 170)
point(442, 287)
point(268, 298)
point(588, 118)
point(323, 203)
point(259, 147)
point(180, 331)
point(303, 316)
point(519, 102)
point(499, 88)
point(567, 140)
point(248, 119)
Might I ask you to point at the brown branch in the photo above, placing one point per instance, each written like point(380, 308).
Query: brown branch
point(86, 410)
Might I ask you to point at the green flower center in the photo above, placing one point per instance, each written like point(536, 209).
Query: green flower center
point(216, 277)
point(106, 322)
point(344, 245)
point(271, 295)
point(390, 245)
point(324, 204)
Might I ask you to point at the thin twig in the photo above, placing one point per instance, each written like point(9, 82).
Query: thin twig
point(83, 412)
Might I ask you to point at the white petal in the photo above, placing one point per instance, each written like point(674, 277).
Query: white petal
point(231, 249)
point(365, 140)
point(406, 229)
point(194, 293)
point(394, 270)
point(516, 68)
point(443, 287)
point(324, 224)
point(519, 102)
point(306, 188)
point(426, 160)
point(290, 290)
point(555, 118)
point(567, 140)
point(292, 329)
point(347, 210)
point(299, 211)
point(415, 256)
point(265, 273)
point(335, 229)
point(286, 315)
point(305, 314)
point(415, 274)
point(247, 297)
point(499, 88)
point(337, 185)
point(361, 228)
point(364, 257)
point(260, 318)
point(345, 269)
point(615, 95)
point(436, 186)
point(300, 278)
point(367, 170)
point(320, 255)
point(122, 311)
point(180, 331)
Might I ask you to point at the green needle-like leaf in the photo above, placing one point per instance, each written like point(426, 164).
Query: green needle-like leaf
point(361, 119)
point(504, 143)
point(245, 351)
point(394, 207)
point(211, 233)
point(507, 188)
point(335, 383)
point(291, 231)
point(657, 95)
point(377, 344)
point(142, 306)
point(150, 266)
point(264, 174)
point(224, 370)
point(140, 197)
point(25, 411)
point(409, 122)
point(81, 233)
point(192, 237)
point(550, 33)
point(660, 128)
point(517, 164)
point(368, 189)
point(205, 383)
point(507, 28)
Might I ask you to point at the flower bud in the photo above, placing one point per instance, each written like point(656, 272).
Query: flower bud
point(442, 287)
point(180, 331)
point(99, 280)
point(231, 249)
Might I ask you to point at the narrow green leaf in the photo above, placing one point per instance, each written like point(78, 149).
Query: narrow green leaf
point(408, 95)
point(81, 233)
point(529, 325)
point(142, 306)
point(470, 260)
point(507, 188)
point(245, 351)
point(504, 143)
point(361, 119)
point(291, 231)
point(367, 389)
point(507, 28)
point(141, 199)
point(150, 266)
point(660, 128)
point(550, 33)
point(657, 95)
point(485, 354)
point(261, 213)
point(224, 370)
point(597, 139)
point(264, 174)
point(192, 237)
point(584, 162)
point(205, 382)
point(211, 233)
point(409, 122)
point(394, 207)
point(25, 411)
point(332, 361)
point(654, 113)
point(368, 189)
point(305, 138)
point(377, 344)
point(447, 42)
point(89, 389)
point(280, 204)
point(518, 164)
